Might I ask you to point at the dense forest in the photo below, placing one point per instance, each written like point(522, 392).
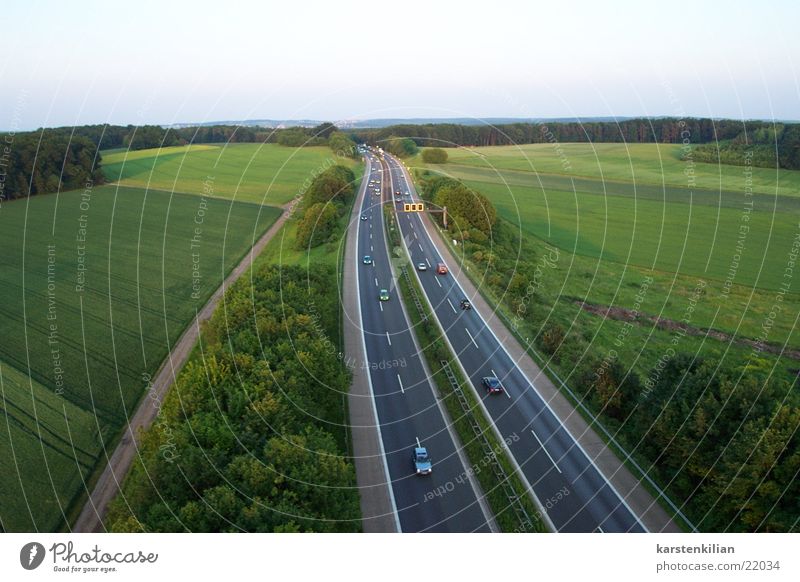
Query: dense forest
point(725, 442)
point(38, 163)
point(250, 438)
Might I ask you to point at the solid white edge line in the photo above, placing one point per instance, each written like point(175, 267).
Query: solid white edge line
point(547, 405)
point(389, 483)
point(546, 452)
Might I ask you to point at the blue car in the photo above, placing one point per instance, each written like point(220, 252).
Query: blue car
point(492, 384)
point(422, 462)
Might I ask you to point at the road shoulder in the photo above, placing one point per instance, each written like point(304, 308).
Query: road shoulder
point(377, 513)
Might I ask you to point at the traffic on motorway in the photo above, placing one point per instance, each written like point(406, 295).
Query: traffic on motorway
point(420, 451)
point(548, 457)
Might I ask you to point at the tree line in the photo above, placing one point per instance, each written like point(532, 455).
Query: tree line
point(250, 437)
point(662, 130)
point(769, 147)
point(324, 206)
point(39, 163)
point(45, 160)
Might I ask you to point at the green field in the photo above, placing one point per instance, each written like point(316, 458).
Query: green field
point(642, 164)
point(262, 173)
point(87, 319)
point(615, 233)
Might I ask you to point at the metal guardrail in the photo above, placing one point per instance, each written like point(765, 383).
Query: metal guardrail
point(414, 296)
point(526, 523)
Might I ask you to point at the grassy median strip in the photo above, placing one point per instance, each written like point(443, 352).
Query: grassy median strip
point(508, 498)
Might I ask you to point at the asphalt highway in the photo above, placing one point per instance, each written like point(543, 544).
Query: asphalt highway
point(577, 496)
point(406, 407)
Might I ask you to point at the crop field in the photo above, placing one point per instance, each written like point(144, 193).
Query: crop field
point(97, 286)
point(262, 173)
point(613, 234)
point(640, 164)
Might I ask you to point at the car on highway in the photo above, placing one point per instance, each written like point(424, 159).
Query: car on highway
point(363, 217)
point(441, 269)
point(422, 462)
point(422, 267)
point(384, 295)
point(466, 305)
point(492, 384)
point(367, 260)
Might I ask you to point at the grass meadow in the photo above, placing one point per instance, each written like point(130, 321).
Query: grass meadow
point(611, 235)
point(261, 173)
point(97, 287)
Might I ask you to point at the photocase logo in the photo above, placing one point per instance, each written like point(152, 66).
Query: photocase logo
point(31, 555)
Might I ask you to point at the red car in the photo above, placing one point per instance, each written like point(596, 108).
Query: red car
point(441, 269)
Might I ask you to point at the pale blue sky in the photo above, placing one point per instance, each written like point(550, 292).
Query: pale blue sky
point(66, 63)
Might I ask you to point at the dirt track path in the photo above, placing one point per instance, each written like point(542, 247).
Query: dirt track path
point(93, 512)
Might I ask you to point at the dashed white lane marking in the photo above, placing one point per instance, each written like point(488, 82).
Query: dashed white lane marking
point(472, 339)
point(505, 389)
point(388, 339)
point(399, 379)
point(451, 305)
